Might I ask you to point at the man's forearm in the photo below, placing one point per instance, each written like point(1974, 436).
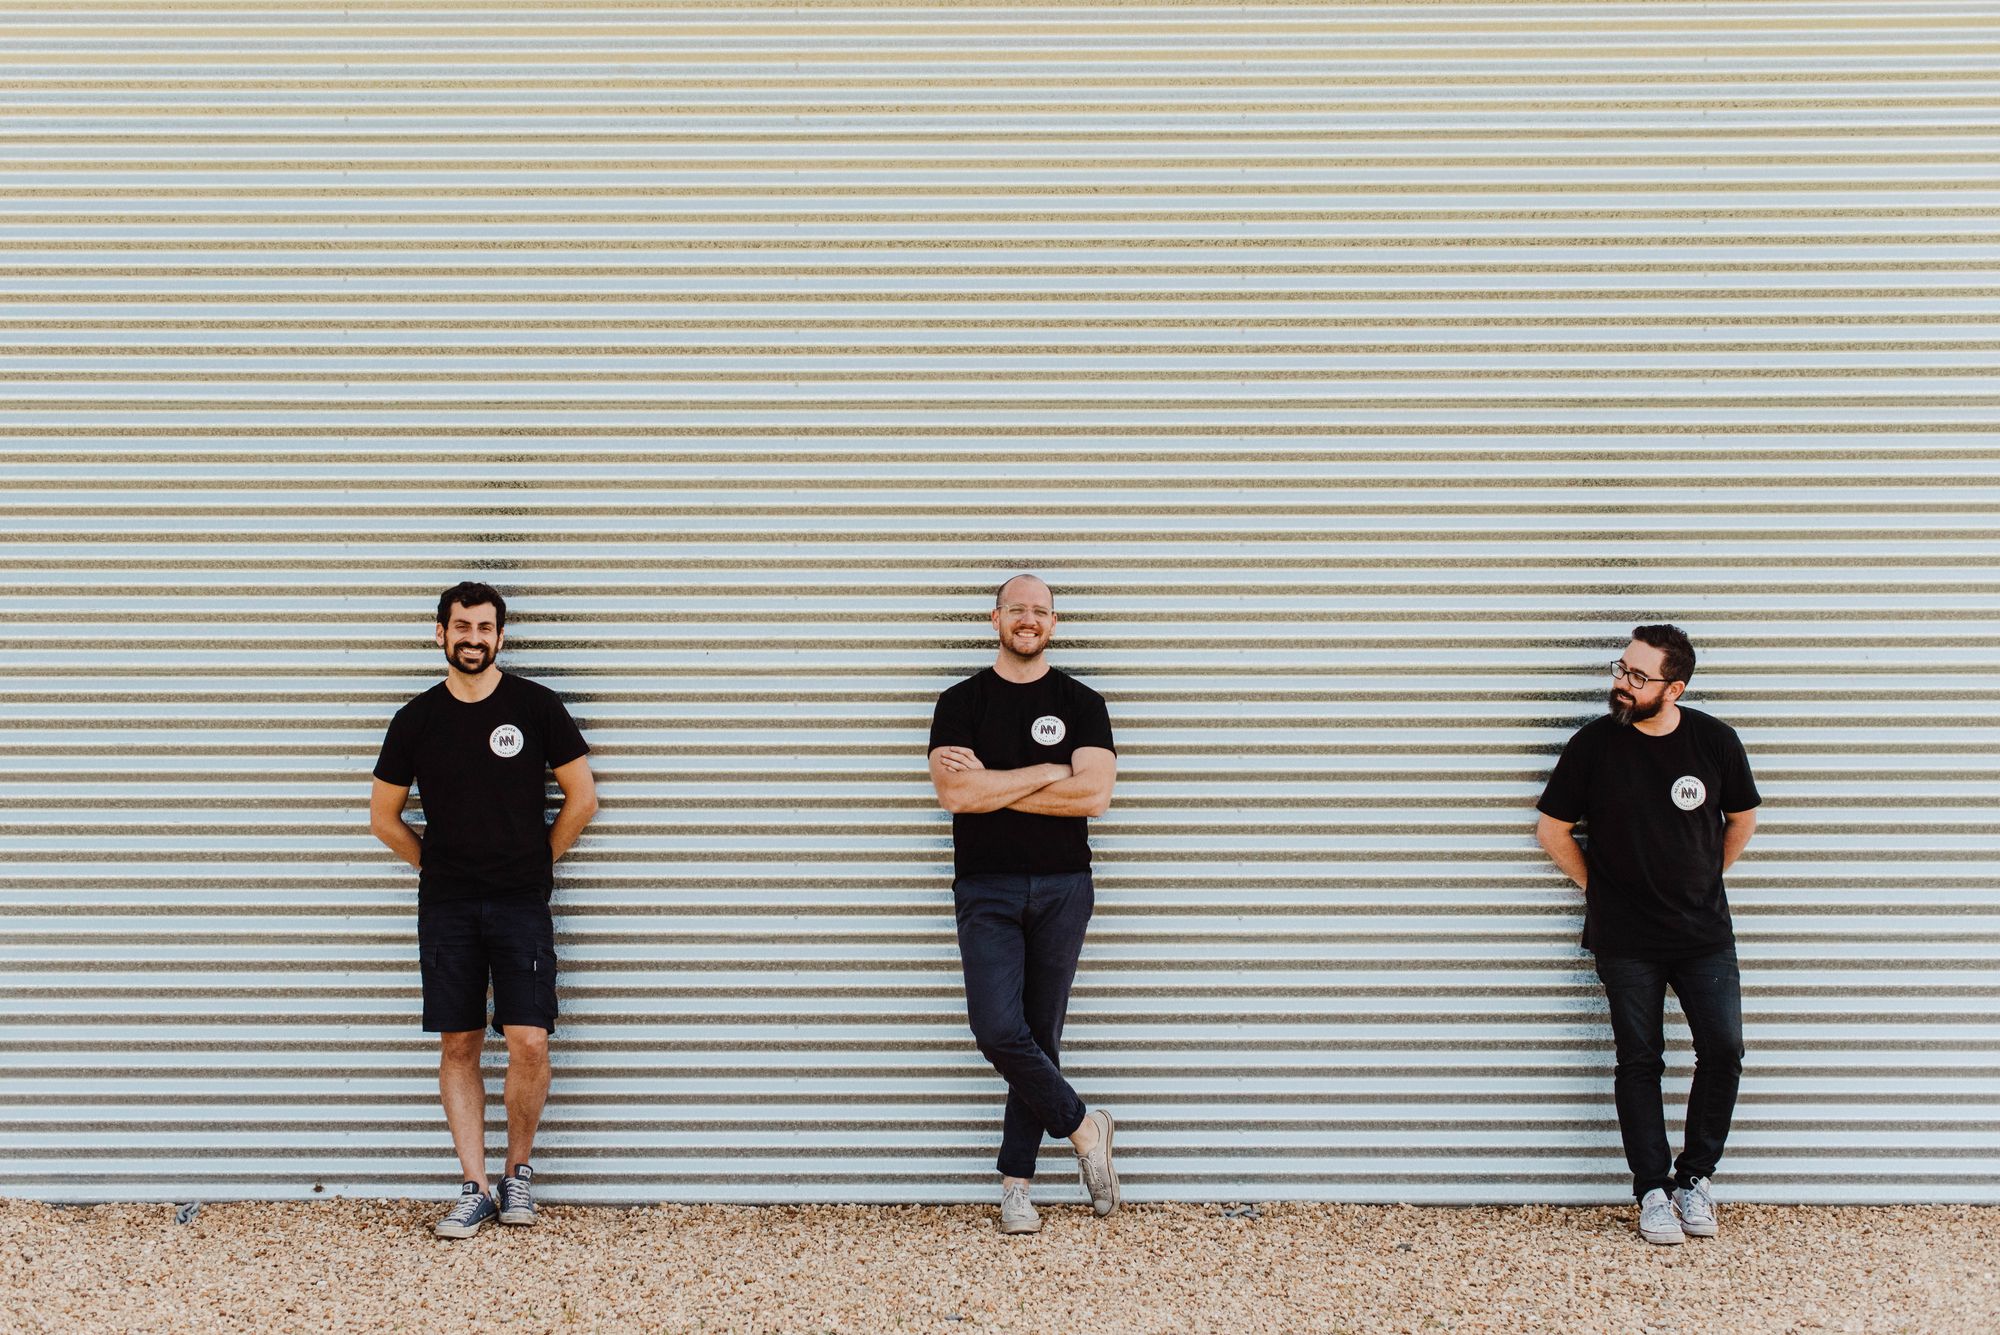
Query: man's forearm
point(401, 840)
point(1567, 854)
point(1078, 795)
point(568, 825)
point(982, 790)
point(1735, 837)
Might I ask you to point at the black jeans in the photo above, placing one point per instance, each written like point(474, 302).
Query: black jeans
point(1711, 994)
point(1019, 937)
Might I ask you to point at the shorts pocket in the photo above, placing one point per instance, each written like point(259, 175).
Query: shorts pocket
point(454, 983)
point(524, 987)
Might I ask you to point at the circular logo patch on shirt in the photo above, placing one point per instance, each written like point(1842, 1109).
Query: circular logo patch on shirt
point(1689, 792)
point(1048, 730)
point(505, 741)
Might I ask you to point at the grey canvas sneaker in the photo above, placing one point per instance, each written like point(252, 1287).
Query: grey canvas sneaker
point(1696, 1205)
point(1017, 1212)
point(1100, 1178)
point(1657, 1220)
point(474, 1208)
point(517, 1199)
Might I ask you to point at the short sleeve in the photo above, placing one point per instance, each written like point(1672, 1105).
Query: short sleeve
point(1093, 724)
point(1739, 787)
point(1567, 796)
point(564, 740)
point(951, 721)
point(397, 763)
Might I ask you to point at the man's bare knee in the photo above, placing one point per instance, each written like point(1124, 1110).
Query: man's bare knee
point(461, 1047)
point(526, 1043)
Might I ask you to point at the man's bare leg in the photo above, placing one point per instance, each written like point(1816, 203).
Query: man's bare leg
point(527, 1089)
point(463, 1094)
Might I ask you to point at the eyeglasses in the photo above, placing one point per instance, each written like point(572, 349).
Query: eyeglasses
point(1619, 672)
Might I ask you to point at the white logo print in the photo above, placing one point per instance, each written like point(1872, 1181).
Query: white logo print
point(1689, 792)
point(1048, 730)
point(505, 741)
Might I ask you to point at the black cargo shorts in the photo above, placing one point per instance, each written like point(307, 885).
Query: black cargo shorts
point(466, 944)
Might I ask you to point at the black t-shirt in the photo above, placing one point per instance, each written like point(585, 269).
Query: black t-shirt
point(481, 771)
point(1653, 809)
point(1011, 726)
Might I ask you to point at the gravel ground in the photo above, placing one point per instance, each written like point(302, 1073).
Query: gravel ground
point(351, 1265)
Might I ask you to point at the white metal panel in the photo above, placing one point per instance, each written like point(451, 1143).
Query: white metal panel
point(1359, 374)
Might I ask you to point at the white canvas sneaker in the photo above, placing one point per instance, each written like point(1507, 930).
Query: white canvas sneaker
point(1017, 1212)
point(1099, 1174)
point(1696, 1205)
point(1657, 1221)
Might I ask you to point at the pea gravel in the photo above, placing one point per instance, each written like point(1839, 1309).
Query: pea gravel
point(357, 1265)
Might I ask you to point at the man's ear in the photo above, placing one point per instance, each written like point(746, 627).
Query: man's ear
point(439, 634)
point(1675, 690)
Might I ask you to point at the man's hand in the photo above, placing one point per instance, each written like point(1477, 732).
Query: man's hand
point(956, 759)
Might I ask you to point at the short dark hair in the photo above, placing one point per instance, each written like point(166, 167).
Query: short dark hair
point(1673, 642)
point(1025, 574)
point(469, 593)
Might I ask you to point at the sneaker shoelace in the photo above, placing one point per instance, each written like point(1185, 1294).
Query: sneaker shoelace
point(467, 1208)
point(1014, 1198)
point(514, 1193)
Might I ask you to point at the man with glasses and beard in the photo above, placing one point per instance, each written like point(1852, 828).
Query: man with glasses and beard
point(1021, 755)
point(1668, 802)
point(478, 747)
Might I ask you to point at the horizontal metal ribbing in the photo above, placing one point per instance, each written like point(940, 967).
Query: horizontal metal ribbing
point(1359, 375)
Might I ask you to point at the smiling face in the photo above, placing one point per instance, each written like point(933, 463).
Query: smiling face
point(471, 639)
point(1024, 618)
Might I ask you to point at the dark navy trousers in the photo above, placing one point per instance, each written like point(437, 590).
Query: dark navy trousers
point(1019, 936)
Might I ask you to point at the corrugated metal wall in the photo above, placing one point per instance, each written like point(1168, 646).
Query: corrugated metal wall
point(1359, 374)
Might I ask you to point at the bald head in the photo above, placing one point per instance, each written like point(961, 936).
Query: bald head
point(1024, 588)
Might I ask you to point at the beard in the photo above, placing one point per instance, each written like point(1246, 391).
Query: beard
point(481, 656)
point(1007, 647)
point(1628, 711)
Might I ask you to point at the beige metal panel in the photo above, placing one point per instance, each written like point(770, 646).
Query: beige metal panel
point(1359, 374)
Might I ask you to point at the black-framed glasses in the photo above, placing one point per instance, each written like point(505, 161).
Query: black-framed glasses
point(1619, 672)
